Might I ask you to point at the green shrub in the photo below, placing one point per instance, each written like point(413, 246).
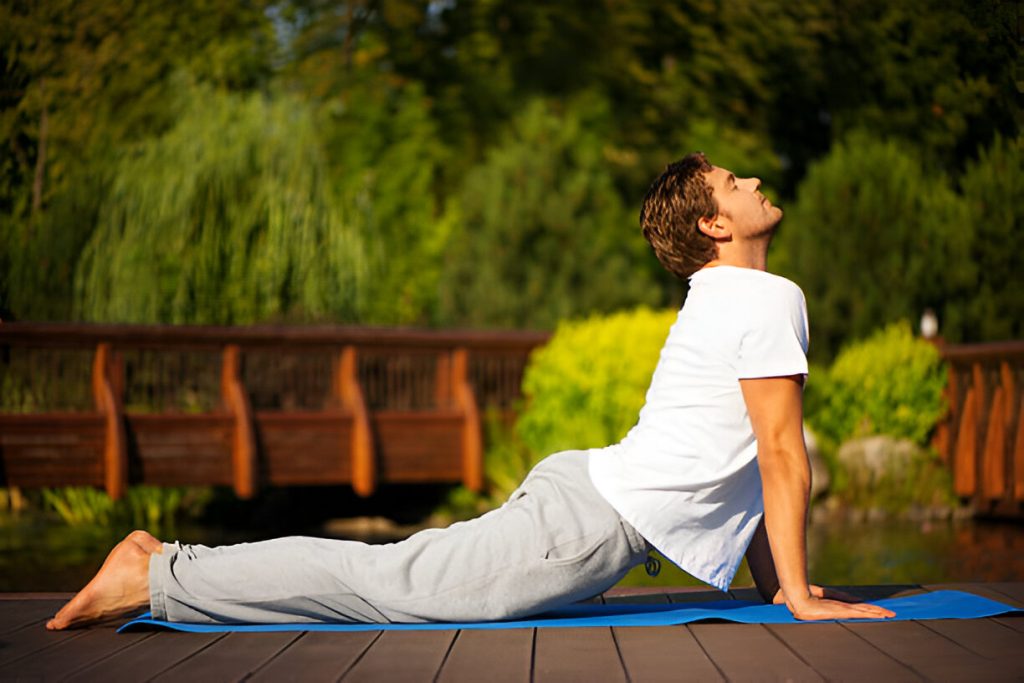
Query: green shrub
point(143, 507)
point(585, 388)
point(890, 383)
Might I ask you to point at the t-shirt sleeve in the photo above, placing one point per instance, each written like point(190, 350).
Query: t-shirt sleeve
point(775, 342)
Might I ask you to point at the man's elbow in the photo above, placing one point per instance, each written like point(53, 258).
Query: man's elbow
point(784, 460)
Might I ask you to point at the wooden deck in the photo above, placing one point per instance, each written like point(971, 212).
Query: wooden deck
point(945, 650)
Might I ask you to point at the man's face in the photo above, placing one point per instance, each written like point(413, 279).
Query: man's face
point(741, 204)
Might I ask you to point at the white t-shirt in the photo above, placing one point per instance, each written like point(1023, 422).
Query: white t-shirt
point(686, 475)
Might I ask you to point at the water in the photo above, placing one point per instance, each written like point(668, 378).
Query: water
point(42, 555)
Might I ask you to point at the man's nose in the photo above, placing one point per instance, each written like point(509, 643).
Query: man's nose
point(754, 183)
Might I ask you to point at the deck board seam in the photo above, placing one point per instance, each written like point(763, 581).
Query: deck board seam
point(43, 648)
point(792, 649)
point(1009, 597)
point(360, 656)
point(721, 672)
point(1003, 624)
point(26, 624)
point(533, 654)
point(618, 653)
point(905, 665)
point(105, 657)
point(302, 634)
point(167, 668)
point(945, 637)
point(447, 653)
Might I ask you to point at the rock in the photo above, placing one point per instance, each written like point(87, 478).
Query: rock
point(819, 470)
point(868, 460)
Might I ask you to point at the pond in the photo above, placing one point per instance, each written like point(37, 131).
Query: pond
point(38, 554)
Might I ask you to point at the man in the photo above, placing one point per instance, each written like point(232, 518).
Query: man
point(715, 466)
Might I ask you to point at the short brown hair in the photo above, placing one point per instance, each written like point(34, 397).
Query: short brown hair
point(676, 200)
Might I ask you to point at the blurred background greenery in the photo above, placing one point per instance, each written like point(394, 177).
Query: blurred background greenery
point(450, 163)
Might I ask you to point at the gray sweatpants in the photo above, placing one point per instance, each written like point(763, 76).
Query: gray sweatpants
point(555, 541)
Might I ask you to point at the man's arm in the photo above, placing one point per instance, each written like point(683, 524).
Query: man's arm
point(775, 406)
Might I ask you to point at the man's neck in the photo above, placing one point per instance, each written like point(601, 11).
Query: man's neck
point(750, 255)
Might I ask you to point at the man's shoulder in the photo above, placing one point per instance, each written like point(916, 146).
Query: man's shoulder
point(757, 289)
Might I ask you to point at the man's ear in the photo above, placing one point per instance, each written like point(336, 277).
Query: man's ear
point(712, 227)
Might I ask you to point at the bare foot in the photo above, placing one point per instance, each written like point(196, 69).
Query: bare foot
point(120, 586)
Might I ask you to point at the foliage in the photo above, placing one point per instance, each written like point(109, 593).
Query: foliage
point(143, 507)
point(542, 233)
point(230, 217)
point(873, 238)
point(890, 383)
point(482, 163)
point(585, 388)
point(991, 305)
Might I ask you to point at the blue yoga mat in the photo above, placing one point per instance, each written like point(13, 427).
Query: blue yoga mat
point(937, 605)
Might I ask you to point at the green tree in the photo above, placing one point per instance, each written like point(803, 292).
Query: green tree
point(542, 234)
point(991, 307)
point(872, 238)
point(229, 217)
point(77, 79)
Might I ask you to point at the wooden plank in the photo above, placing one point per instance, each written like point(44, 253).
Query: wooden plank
point(965, 452)
point(1015, 623)
point(361, 443)
point(576, 654)
point(928, 653)
point(663, 653)
point(1011, 589)
point(234, 397)
point(305, 448)
point(498, 656)
point(472, 438)
point(15, 614)
point(179, 449)
point(71, 654)
point(699, 595)
point(418, 447)
point(981, 636)
point(871, 593)
point(107, 365)
point(403, 656)
point(317, 656)
point(749, 651)
point(837, 654)
point(993, 473)
point(147, 658)
point(638, 599)
point(30, 640)
point(984, 590)
point(748, 593)
point(53, 449)
point(235, 656)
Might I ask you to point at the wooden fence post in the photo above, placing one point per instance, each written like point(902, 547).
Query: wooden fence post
point(108, 401)
point(364, 465)
point(243, 445)
point(472, 440)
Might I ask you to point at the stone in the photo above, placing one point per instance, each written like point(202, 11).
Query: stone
point(820, 479)
point(868, 460)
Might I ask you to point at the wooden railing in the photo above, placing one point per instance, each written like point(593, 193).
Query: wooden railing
point(981, 438)
point(250, 406)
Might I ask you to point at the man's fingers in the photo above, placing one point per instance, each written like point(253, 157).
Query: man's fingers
point(876, 611)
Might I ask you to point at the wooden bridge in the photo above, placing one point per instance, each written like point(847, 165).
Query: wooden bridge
point(112, 405)
point(981, 439)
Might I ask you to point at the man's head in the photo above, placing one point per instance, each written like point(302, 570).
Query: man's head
point(694, 209)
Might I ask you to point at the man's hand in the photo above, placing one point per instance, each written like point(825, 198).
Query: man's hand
point(816, 608)
point(828, 603)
